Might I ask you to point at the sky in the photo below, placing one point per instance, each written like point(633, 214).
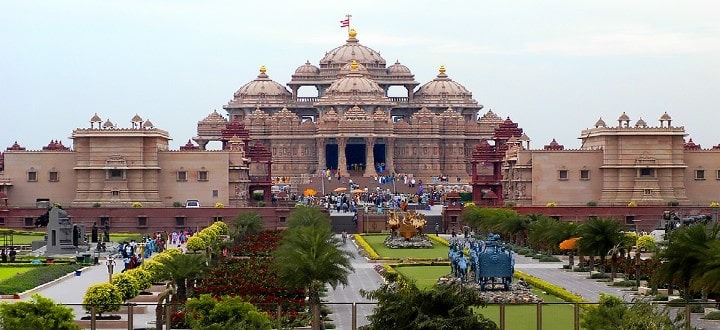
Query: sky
point(554, 67)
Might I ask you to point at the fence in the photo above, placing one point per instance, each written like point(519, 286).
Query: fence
point(538, 316)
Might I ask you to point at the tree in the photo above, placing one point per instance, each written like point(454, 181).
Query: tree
point(38, 314)
point(183, 269)
point(127, 284)
point(309, 256)
point(246, 223)
point(514, 226)
point(685, 258)
point(402, 306)
point(597, 237)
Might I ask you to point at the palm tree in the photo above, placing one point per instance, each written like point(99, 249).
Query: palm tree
point(685, 257)
point(541, 233)
point(246, 223)
point(513, 225)
point(309, 256)
point(710, 269)
point(597, 237)
point(182, 269)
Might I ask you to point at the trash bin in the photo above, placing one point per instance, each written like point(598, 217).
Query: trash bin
point(49, 260)
point(87, 258)
point(78, 272)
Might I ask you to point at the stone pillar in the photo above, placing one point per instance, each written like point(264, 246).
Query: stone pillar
point(342, 161)
point(369, 157)
point(410, 93)
point(294, 92)
point(390, 154)
point(320, 145)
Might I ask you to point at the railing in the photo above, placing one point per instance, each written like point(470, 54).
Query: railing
point(352, 315)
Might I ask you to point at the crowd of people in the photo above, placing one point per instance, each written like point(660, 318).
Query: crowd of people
point(133, 253)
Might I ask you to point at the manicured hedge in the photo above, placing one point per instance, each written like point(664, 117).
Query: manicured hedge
point(551, 288)
point(36, 277)
point(364, 244)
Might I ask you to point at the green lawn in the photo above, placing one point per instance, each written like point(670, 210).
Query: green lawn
point(521, 317)
point(27, 239)
point(8, 272)
point(376, 242)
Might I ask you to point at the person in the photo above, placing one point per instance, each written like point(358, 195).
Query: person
point(12, 254)
point(94, 238)
point(454, 233)
point(107, 231)
point(344, 236)
point(437, 229)
point(4, 256)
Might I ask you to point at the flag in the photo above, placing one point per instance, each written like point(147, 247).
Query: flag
point(345, 23)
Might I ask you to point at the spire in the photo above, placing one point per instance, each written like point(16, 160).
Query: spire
point(352, 34)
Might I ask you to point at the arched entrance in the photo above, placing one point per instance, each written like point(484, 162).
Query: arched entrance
point(331, 156)
point(355, 155)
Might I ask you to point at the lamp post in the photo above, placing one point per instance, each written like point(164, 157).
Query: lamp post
point(110, 262)
point(637, 256)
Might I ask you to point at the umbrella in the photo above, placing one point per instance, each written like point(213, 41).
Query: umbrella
point(309, 192)
point(339, 189)
point(358, 191)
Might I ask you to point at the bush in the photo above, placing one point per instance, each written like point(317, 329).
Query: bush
point(153, 267)
point(105, 297)
point(36, 277)
point(177, 204)
point(96, 205)
point(551, 288)
point(627, 283)
point(545, 258)
point(660, 297)
point(591, 203)
point(40, 313)
point(713, 316)
point(226, 312)
point(364, 244)
point(128, 286)
point(599, 276)
point(195, 243)
point(142, 276)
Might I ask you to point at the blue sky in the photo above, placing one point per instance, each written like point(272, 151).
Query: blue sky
point(554, 67)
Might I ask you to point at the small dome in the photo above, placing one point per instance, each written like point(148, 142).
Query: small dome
point(136, 119)
point(96, 119)
point(352, 50)
point(443, 89)
point(307, 69)
point(262, 90)
point(108, 124)
point(600, 123)
point(624, 117)
point(148, 124)
point(353, 66)
point(398, 69)
point(355, 82)
point(665, 116)
point(640, 123)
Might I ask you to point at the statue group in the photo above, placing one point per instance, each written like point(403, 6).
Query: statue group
point(488, 264)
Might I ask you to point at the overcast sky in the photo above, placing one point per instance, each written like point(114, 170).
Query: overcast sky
point(554, 67)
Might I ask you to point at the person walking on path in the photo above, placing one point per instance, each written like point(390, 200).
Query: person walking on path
point(344, 236)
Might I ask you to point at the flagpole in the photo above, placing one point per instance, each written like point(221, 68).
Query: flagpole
point(348, 19)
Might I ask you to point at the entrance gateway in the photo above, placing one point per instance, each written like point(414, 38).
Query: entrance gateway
point(355, 154)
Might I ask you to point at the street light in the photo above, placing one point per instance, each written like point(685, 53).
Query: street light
point(110, 262)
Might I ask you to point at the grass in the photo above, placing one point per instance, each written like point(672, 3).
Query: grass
point(8, 272)
point(521, 317)
point(376, 242)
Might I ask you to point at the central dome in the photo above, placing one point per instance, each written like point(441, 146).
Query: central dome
point(352, 50)
point(262, 90)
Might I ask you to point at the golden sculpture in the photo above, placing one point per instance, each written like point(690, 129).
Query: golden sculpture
point(412, 224)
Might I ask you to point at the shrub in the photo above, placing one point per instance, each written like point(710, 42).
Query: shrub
point(153, 267)
point(35, 277)
point(257, 196)
point(137, 205)
point(177, 204)
point(673, 203)
point(551, 288)
point(599, 276)
point(219, 205)
point(225, 312)
point(627, 283)
point(509, 204)
point(713, 315)
point(127, 285)
point(96, 205)
point(545, 258)
point(105, 297)
point(364, 244)
point(142, 276)
point(195, 243)
point(40, 313)
point(591, 203)
point(660, 297)
point(632, 204)
point(551, 204)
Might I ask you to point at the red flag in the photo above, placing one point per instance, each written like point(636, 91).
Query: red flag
point(345, 23)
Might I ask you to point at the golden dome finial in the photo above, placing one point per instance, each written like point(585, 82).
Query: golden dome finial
point(442, 69)
point(354, 65)
point(263, 69)
point(352, 33)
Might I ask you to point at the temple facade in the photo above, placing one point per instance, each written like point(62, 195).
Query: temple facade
point(351, 124)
